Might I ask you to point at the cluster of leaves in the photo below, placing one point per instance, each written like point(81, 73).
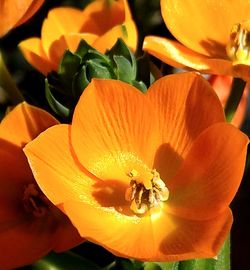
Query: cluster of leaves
point(64, 87)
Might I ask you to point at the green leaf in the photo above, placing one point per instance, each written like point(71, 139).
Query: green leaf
point(70, 64)
point(80, 82)
point(124, 70)
point(55, 105)
point(83, 48)
point(96, 70)
point(121, 49)
point(64, 261)
point(140, 85)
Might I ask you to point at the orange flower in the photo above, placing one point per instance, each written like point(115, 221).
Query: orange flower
point(30, 225)
point(222, 85)
point(213, 36)
point(101, 23)
point(148, 176)
point(14, 13)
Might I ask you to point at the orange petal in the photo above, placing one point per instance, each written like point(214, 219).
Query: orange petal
point(114, 12)
point(168, 238)
point(34, 54)
point(112, 129)
point(58, 23)
point(50, 157)
point(33, 8)
point(211, 173)
point(14, 13)
point(177, 55)
point(222, 86)
point(28, 242)
point(207, 16)
point(19, 127)
point(24, 123)
point(185, 105)
point(127, 31)
point(73, 40)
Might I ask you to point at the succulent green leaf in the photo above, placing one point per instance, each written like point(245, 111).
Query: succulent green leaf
point(124, 69)
point(80, 82)
point(140, 85)
point(120, 48)
point(69, 65)
point(55, 105)
point(83, 48)
point(96, 70)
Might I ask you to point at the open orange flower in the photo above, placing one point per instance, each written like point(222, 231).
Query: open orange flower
point(14, 13)
point(30, 225)
point(101, 23)
point(213, 36)
point(222, 86)
point(148, 176)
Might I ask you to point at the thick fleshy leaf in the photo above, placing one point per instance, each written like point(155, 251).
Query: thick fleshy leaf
point(115, 13)
point(35, 55)
point(17, 12)
point(115, 135)
point(179, 56)
point(211, 173)
point(127, 31)
point(182, 103)
point(30, 121)
point(207, 16)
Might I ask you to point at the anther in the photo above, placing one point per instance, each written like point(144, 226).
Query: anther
point(147, 194)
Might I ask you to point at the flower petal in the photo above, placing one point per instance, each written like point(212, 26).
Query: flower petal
point(115, 13)
point(14, 13)
point(24, 123)
point(34, 54)
point(222, 86)
point(211, 173)
point(73, 39)
point(50, 157)
point(208, 15)
point(177, 55)
point(127, 31)
point(161, 238)
point(33, 8)
point(58, 23)
point(24, 244)
point(185, 105)
point(112, 129)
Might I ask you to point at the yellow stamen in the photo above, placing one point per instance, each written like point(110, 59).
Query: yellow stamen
point(145, 194)
point(238, 48)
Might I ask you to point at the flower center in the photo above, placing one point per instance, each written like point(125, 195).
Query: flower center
point(147, 193)
point(34, 201)
point(238, 47)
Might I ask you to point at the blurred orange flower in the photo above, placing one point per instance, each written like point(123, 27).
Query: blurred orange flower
point(222, 86)
point(30, 225)
point(213, 36)
point(148, 176)
point(14, 13)
point(101, 23)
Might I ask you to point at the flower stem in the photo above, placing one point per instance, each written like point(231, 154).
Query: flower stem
point(8, 85)
point(233, 101)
